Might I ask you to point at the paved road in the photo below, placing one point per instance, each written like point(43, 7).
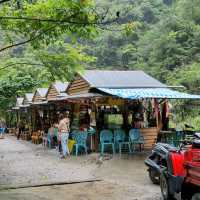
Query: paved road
point(22, 163)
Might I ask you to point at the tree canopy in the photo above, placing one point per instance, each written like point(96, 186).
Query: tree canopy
point(42, 22)
point(164, 41)
point(38, 43)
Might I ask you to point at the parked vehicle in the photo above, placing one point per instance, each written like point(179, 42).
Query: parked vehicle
point(176, 169)
point(157, 160)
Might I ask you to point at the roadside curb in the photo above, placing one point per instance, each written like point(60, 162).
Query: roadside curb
point(49, 184)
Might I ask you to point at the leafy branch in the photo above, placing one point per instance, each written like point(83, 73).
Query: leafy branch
point(4, 1)
point(61, 21)
point(20, 63)
point(29, 40)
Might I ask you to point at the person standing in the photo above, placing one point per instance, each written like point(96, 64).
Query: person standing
point(55, 135)
point(165, 115)
point(21, 128)
point(50, 135)
point(63, 129)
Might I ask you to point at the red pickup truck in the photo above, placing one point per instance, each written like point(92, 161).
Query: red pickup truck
point(182, 173)
point(191, 184)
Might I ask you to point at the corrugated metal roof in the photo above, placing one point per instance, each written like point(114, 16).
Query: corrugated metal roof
point(120, 79)
point(42, 91)
point(19, 101)
point(60, 87)
point(142, 93)
point(29, 97)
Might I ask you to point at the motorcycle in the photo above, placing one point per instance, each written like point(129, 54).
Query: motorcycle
point(157, 159)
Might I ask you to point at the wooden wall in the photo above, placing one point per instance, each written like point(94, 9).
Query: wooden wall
point(150, 137)
point(79, 85)
point(52, 93)
point(37, 97)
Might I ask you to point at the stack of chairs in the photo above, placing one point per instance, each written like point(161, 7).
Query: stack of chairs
point(37, 137)
point(119, 140)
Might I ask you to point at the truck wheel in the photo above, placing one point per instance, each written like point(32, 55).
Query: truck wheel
point(164, 186)
point(196, 196)
point(187, 192)
point(154, 177)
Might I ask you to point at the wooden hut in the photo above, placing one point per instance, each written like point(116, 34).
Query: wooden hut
point(15, 115)
point(18, 105)
point(87, 88)
point(40, 109)
point(55, 94)
point(19, 102)
point(40, 95)
point(28, 97)
point(27, 102)
point(56, 90)
point(94, 79)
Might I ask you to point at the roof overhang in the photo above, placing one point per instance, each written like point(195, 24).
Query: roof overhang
point(148, 93)
point(85, 95)
point(39, 103)
point(24, 106)
point(61, 96)
point(15, 108)
point(80, 96)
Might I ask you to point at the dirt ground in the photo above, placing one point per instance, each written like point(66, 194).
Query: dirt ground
point(25, 164)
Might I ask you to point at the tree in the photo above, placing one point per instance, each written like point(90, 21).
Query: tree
point(42, 22)
point(35, 33)
point(63, 60)
point(17, 82)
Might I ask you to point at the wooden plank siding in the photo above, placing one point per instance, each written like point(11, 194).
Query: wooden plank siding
point(37, 97)
point(79, 85)
point(150, 136)
point(52, 93)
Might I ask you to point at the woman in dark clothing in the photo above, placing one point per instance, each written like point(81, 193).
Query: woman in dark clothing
point(165, 115)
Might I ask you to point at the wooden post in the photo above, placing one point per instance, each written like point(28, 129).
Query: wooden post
point(96, 140)
point(157, 122)
point(34, 119)
point(125, 114)
point(72, 112)
point(17, 117)
point(156, 112)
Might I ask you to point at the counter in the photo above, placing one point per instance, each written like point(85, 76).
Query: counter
point(150, 137)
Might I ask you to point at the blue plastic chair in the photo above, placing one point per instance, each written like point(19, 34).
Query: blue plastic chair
point(106, 138)
point(119, 139)
point(91, 131)
point(175, 138)
point(74, 132)
point(49, 140)
point(80, 138)
point(2, 130)
point(136, 138)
